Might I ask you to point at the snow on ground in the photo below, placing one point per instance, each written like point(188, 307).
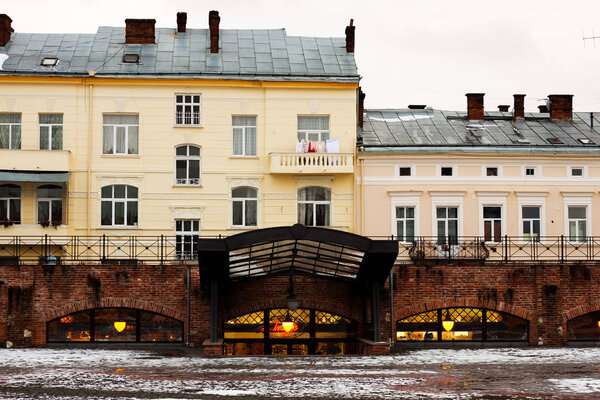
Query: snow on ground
point(582, 385)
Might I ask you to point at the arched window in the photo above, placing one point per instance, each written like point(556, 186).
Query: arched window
point(187, 165)
point(585, 327)
point(49, 200)
point(10, 203)
point(314, 204)
point(119, 205)
point(244, 206)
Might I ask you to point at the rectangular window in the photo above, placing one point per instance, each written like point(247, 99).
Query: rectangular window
point(447, 225)
point(531, 223)
point(10, 131)
point(529, 171)
point(120, 134)
point(446, 171)
point(405, 171)
point(187, 232)
point(405, 224)
point(51, 131)
point(244, 135)
point(491, 171)
point(187, 110)
point(492, 224)
point(313, 128)
point(577, 223)
point(576, 171)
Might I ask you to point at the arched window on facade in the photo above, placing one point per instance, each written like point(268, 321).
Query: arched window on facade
point(187, 165)
point(10, 204)
point(586, 327)
point(314, 206)
point(119, 205)
point(50, 204)
point(244, 206)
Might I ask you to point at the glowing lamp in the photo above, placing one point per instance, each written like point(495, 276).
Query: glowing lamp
point(448, 325)
point(598, 324)
point(288, 326)
point(120, 325)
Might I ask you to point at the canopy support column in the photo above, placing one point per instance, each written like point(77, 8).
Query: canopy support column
point(214, 309)
point(376, 310)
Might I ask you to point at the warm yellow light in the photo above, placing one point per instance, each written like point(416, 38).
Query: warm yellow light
point(598, 324)
point(288, 326)
point(120, 325)
point(448, 325)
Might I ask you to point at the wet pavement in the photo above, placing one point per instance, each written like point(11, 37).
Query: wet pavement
point(566, 373)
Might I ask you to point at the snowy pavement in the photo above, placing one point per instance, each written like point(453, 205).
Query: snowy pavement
point(566, 373)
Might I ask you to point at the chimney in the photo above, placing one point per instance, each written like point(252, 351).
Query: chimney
point(519, 107)
point(139, 31)
point(5, 29)
point(350, 37)
point(503, 108)
point(181, 21)
point(213, 24)
point(475, 106)
point(361, 106)
point(417, 106)
point(561, 106)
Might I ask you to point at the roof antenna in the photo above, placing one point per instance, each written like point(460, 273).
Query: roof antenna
point(592, 120)
point(592, 38)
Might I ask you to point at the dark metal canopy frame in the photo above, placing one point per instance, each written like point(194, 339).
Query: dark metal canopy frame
point(296, 249)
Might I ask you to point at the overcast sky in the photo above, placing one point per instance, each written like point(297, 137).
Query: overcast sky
point(408, 52)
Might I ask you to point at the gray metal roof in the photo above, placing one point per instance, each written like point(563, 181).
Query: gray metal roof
point(258, 54)
point(431, 130)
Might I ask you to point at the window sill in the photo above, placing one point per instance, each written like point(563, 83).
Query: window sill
point(188, 126)
point(244, 157)
point(243, 228)
point(187, 186)
point(120, 156)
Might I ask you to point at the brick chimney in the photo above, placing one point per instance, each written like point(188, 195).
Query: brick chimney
point(561, 106)
point(361, 106)
point(139, 31)
point(519, 107)
point(475, 106)
point(5, 29)
point(181, 21)
point(213, 24)
point(350, 37)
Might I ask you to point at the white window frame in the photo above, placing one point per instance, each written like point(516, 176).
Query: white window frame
point(10, 132)
point(179, 248)
point(532, 199)
point(244, 144)
point(536, 172)
point(314, 204)
point(188, 181)
point(405, 199)
point(124, 200)
point(491, 220)
point(243, 200)
point(446, 199)
point(492, 199)
point(583, 172)
point(319, 132)
point(7, 200)
point(412, 171)
point(50, 200)
point(185, 103)
point(484, 171)
point(49, 126)
point(114, 133)
point(580, 199)
point(439, 171)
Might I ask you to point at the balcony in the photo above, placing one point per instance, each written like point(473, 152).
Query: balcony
point(34, 160)
point(312, 163)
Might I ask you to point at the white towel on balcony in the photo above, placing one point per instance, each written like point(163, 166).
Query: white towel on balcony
point(333, 145)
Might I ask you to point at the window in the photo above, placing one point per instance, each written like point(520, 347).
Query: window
point(10, 203)
point(446, 171)
point(130, 58)
point(244, 135)
point(10, 131)
point(577, 223)
point(186, 238)
point(491, 171)
point(405, 171)
point(313, 206)
point(187, 165)
point(187, 110)
point(49, 200)
point(244, 205)
point(492, 223)
point(120, 134)
point(49, 61)
point(530, 171)
point(313, 128)
point(119, 206)
point(576, 171)
point(531, 223)
point(447, 224)
point(405, 224)
point(51, 131)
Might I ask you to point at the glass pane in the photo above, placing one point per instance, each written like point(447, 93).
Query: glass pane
point(49, 191)
point(57, 137)
point(399, 212)
point(4, 136)
point(108, 141)
point(250, 212)
point(194, 169)
point(3, 209)
point(181, 169)
point(452, 212)
point(51, 119)
point(305, 214)
point(492, 212)
point(9, 190)
point(441, 212)
point(572, 230)
point(243, 192)
point(584, 327)
point(238, 145)
point(70, 328)
point(400, 230)
point(410, 230)
point(15, 138)
point(322, 215)
point(250, 141)
point(132, 213)
point(115, 325)
point(158, 328)
point(107, 192)
point(441, 228)
point(531, 212)
point(536, 228)
point(106, 213)
point(15, 210)
point(410, 212)
point(10, 118)
point(194, 150)
point(132, 192)
point(178, 225)
point(316, 123)
point(237, 218)
point(44, 138)
point(502, 326)
point(181, 151)
point(300, 319)
point(468, 324)
point(132, 140)
point(120, 119)
point(577, 212)
point(581, 231)
point(119, 191)
point(526, 227)
point(119, 213)
point(121, 140)
point(57, 210)
point(43, 211)
point(453, 228)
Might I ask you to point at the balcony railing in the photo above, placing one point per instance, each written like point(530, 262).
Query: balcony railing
point(312, 163)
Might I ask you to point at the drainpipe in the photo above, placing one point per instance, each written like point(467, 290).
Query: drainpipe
point(392, 321)
point(187, 336)
point(362, 196)
point(89, 156)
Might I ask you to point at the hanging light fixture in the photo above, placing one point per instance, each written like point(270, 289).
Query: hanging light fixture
point(598, 324)
point(119, 324)
point(447, 322)
point(287, 324)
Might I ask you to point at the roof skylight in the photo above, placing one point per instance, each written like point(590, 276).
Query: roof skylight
point(49, 61)
point(131, 58)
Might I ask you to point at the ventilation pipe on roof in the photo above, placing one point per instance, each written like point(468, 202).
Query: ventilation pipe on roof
point(139, 31)
point(5, 29)
point(519, 106)
point(361, 106)
point(417, 106)
point(561, 106)
point(475, 106)
point(213, 24)
point(350, 37)
point(181, 21)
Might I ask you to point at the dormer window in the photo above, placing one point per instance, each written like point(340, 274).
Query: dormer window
point(131, 58)
point(49, 61)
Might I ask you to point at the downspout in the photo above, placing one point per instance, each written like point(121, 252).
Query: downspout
point(392, 321)
point(362, 196)
point(187, 336)
point(90, 107)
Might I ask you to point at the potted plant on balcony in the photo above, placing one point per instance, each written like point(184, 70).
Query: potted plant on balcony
point(6, 222)
point(45, 223)
point(56, 223)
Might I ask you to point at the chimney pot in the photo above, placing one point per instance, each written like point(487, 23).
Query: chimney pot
point(417, 106)
point(503, 108)
point(519, 106)
point(561, 106)
point(475, 106)
point(361, 106)
point(213, 24)
point(139, 31)
point(5, 29)
point(350, 37)
point(543, 109)
point(181, 21)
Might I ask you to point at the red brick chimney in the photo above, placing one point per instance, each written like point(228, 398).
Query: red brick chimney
point(561, 106)
point(5, 29)
point(213, 24)
point(181, 21)
point(475, 106)
point(361, 106)
point(139, 31)
point(350, 37)
point(519, 107)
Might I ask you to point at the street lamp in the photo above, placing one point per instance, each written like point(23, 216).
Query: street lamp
point(447, 322)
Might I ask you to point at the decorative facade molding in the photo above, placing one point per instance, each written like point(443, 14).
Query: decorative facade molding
point(239, 181)
point(279, 196)
point(184, 196)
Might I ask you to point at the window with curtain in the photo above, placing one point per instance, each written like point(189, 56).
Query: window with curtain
point(244, 135)
point(531, 222)
point(492, 224)
point(314, 204)
point(10, 131)
point(187, 232)
point(447, 225)
point(314, 128)
point(51, 131)
point(187, 165)
point(405, 224)
point(120, 134)
point(244, 206)
point(119, 206)
point(10, 203)
point(49, 201)
point(577, 216)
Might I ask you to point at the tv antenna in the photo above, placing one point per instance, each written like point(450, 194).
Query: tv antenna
point(592, 38)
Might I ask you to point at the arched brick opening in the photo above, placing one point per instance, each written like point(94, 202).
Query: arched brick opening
point(339, 309)
point(580, 310)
